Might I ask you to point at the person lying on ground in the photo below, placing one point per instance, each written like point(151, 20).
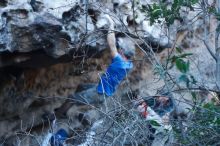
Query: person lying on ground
point(109, 81)
point(156, 108)
point(160, 104)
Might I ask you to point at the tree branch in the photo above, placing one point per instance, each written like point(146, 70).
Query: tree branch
point(209, 49)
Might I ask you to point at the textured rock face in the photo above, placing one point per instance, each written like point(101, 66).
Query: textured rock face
point(26, 31)
point(65, 27)
point(35, 34)
point(39, 33)
point(30, 96)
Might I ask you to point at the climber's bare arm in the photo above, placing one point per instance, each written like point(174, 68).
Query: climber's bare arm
point(111, 37)
point(112, 43)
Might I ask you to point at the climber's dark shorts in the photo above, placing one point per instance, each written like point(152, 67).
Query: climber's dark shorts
point(88, 97)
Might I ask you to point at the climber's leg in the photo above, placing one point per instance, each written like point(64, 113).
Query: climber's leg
point(88, 97)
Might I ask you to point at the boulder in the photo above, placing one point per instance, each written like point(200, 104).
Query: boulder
point(36, 34)
point(69, 27)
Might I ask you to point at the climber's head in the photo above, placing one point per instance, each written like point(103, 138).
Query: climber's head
point(126, 47)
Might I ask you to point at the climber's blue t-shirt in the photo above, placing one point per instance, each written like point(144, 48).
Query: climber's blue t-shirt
point(115, 73)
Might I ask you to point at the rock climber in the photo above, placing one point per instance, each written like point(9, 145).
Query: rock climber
point(118, 69)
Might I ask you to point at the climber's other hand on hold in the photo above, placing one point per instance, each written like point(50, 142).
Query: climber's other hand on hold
point(105, 21)
point(110, 21)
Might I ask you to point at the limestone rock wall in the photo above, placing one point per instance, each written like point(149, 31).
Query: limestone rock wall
point(57, 28)
point(49, 47)
point(35, 34)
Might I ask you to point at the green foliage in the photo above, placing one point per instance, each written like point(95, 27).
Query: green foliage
point(159, 70)
point(169, 12)
point(203, 127)
point(194, 97)
point(182, 64)
point(184, 78)
point(154, 123)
